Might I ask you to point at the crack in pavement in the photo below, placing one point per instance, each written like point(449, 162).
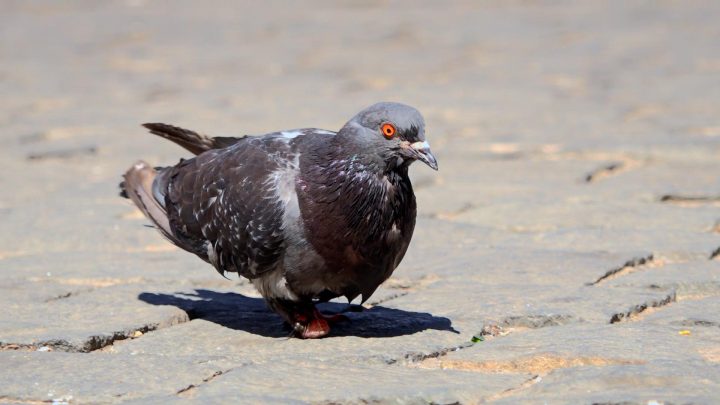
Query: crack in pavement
point(62, 296)
point(513, 323)
point(618, 164)
point(68, 295)
point(405, 286)
point(626, 268)
point(415, 357)
point(88, 285)
point(449, 215)
point(63, 154)
point(697, 322)
point(636, 310)
point(492, 329)
point(99, 342)
point(28, 401)
point(715, 253)
point(690, 200)
point(205, 380)
point(386, 299)
point(605, 171)
point(94, 342)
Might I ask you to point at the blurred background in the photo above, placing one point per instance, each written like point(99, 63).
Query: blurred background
point(493, 78)
point(578, 146)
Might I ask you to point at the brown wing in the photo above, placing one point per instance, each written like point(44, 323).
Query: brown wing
point(221, 205)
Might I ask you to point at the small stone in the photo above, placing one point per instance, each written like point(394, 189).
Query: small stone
point(491, 330)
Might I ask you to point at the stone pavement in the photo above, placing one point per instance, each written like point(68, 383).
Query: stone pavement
point(564, 253)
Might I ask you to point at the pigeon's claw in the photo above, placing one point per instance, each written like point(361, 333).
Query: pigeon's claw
point(316, 328)
point(311, 326)
point(316, 325)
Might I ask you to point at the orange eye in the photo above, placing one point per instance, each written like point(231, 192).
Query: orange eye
point(388, 130)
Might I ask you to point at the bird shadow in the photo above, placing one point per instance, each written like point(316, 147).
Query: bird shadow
point(236, 311)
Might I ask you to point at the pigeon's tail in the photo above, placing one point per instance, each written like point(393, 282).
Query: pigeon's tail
point(190, 140)
point(138, 187)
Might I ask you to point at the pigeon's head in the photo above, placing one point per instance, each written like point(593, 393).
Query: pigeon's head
point(394, 132)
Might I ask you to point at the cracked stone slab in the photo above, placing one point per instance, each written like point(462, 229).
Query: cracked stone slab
point(97, 377)
point(689, 279)
point(685, 381)
point(243, 328)
point(332, 382)
point(85, 322)
point(612, 363)
point(498, 275)
point(670, 177)
point(696, 315)
point(631, 343)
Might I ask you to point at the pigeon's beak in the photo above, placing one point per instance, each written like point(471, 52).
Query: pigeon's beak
point(422, 151)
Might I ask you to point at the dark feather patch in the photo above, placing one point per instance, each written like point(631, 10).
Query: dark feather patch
point(221, 206)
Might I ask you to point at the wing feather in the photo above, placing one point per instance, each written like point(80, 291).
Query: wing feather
point(223, 200)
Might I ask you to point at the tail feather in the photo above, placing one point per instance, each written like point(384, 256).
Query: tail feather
point(190, 140)
point(138, 186)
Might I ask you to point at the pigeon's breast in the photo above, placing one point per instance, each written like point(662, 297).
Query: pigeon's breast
point(358, 221)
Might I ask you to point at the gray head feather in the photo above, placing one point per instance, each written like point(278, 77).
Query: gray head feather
point(363, 132)
point(408, 121)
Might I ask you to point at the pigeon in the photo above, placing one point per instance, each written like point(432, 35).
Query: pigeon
point(307, 215)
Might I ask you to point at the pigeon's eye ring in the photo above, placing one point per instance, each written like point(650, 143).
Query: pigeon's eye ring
point(388, 130)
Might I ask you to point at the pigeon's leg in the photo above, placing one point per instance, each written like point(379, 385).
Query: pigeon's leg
point(314, 327)
point(308, 322)
point(303, 317)
point(318, 324)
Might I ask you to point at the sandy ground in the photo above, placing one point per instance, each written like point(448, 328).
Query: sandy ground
point(564, 253)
